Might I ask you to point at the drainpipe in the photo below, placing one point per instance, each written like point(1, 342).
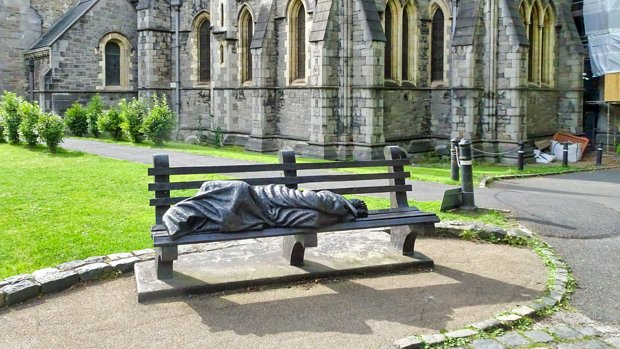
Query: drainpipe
point(493, 69)
point(451, 67)
point(347, 115)
point(176, 4)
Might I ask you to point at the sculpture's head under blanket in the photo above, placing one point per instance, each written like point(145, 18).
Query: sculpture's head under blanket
point(229, 206)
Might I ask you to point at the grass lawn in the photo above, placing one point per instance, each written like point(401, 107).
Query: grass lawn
point(424, 170)
point(66, 206)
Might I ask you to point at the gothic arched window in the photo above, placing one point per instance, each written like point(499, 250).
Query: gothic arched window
point(408, 44)
point(437, 45)
point(115, 61)
point(246, 30)
point(533, 61)
point(540, 30)
point(548, 48)
point(204, 51)
point(391, 36)
point(297, 40)
point(112, 64)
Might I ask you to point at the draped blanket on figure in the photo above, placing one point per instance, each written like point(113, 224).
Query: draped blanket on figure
point(229, 206)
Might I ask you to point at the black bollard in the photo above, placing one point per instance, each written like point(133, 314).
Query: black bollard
point(521, 153)
point(599, 154)
point(454, 165)
point(467, 179)
point(565, 155)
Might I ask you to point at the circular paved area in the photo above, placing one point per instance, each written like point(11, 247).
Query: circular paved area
point(471, 282)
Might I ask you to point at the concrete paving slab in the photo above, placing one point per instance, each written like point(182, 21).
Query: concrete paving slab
point(260, 263)
point(470, 282)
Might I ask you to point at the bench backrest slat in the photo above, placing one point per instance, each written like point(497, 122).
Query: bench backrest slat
point(286, 173)
point(285, 180)
point(274, 167)
point(342, 191)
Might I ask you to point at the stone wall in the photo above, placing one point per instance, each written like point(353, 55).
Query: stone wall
point(49, 11)
point(542, 117)
point(293, 113)
point(343, 109)
point(406, 114)
point(75, 60)
point(20, 27)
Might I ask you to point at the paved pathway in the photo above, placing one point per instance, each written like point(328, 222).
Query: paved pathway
point(578, 214)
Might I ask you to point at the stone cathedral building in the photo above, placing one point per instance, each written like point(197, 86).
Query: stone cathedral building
point(335, 79)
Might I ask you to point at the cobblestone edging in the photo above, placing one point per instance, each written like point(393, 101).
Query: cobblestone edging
point(20, 288)
point(581, 334)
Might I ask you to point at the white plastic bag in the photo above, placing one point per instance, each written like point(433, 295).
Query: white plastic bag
point(574, 153)
point(543, 158)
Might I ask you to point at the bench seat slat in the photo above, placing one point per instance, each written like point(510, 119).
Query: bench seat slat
point(370, 190)
point(286, 180)
point(161, 238)
point(274, 167)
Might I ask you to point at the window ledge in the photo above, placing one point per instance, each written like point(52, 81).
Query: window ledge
point(298, 82)
point(114, 88)
point(204, 84)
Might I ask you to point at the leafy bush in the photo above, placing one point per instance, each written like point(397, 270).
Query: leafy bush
point(9, 109)
point(618, 149)
point(110, 122)
point(133, 114)
point(77, 120)
point(30, 113)
point(160, 121)
point(51, 129)
point(94, 109)
point(2, 139)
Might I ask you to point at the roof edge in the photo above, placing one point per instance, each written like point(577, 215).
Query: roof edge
point(34, 48)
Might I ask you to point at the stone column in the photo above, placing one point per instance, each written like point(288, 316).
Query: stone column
point(154, 49)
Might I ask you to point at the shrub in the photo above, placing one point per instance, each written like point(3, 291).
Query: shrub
point(133, 114)
point(77, 120)
point(51, 129)
point(94, 109)
point(618, 149)
point(110, 122)
point(160, 121)
point(30, 113)
point(2, 139)
point(9, 108)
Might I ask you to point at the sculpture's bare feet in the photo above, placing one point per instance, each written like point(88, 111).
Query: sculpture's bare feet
point(360, 206)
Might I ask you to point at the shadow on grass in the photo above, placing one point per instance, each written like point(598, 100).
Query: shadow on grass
point(59, 153)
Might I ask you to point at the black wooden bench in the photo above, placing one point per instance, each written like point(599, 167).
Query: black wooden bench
point(405, 221)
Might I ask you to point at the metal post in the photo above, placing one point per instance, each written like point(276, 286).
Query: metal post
point(467, 179)
point(565, 155)
point(599, 154)
point(454, 165)
point(521, 156)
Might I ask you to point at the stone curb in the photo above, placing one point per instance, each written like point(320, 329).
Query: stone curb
point(556, 289)
point(20, 288)
point(484, 182)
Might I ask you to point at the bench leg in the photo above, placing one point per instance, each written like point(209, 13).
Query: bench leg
point(403, 237)
point(165, 256)
point(294, 247)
